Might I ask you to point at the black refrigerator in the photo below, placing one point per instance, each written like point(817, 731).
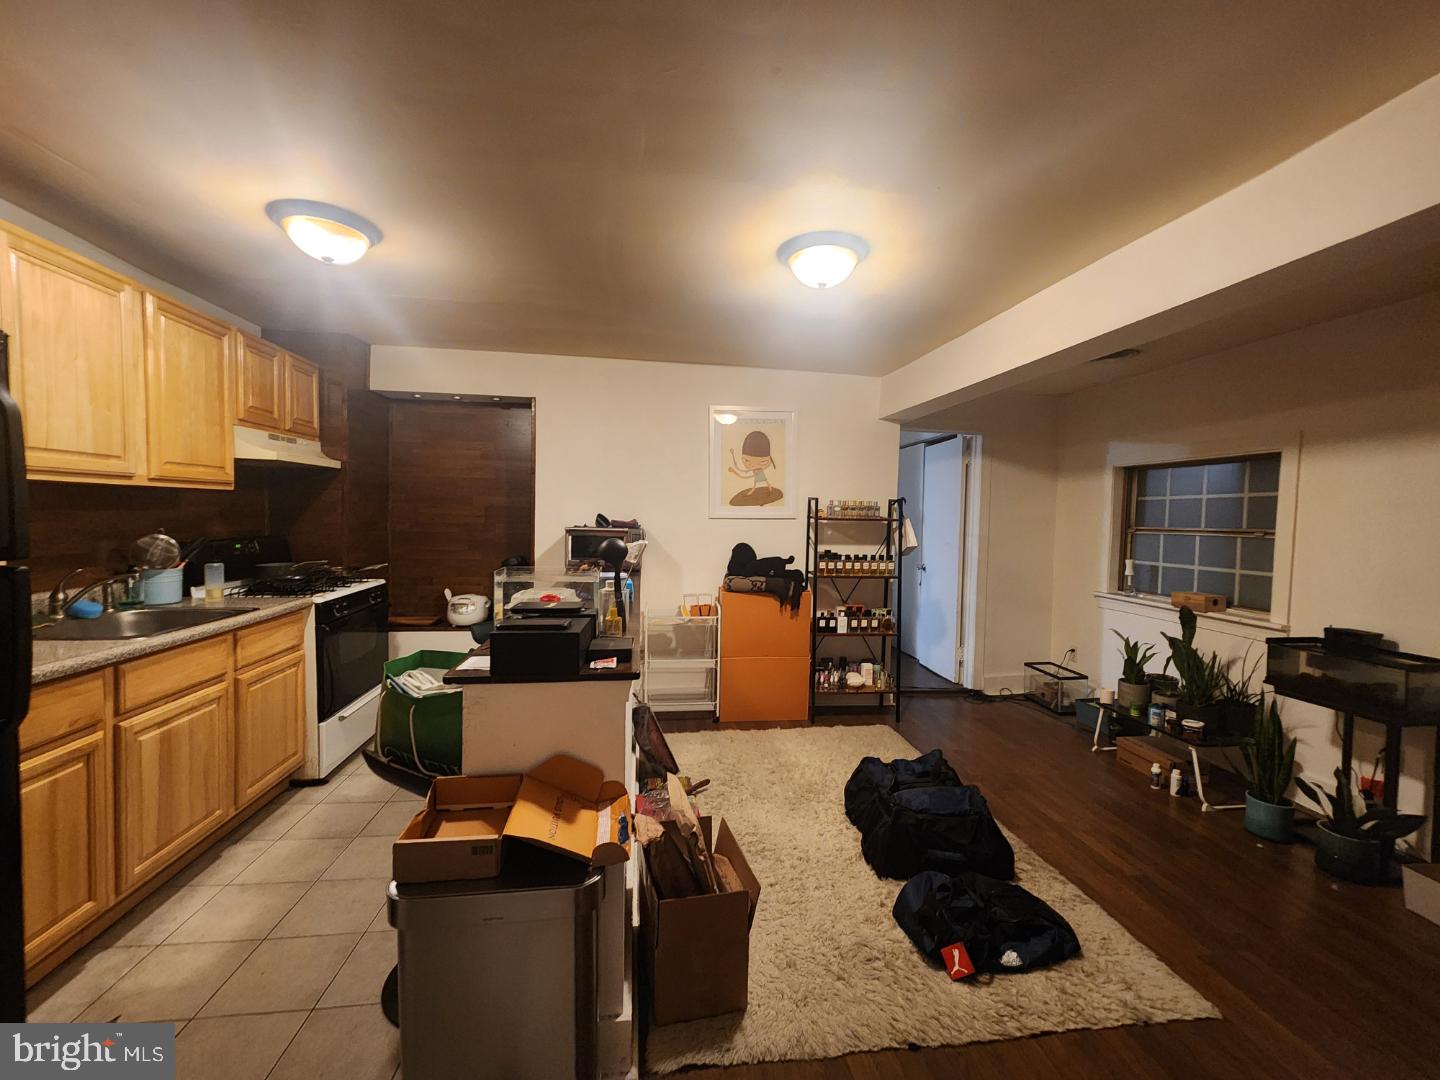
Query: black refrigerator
point(14, 688)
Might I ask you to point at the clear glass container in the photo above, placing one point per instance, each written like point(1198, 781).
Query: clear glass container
point(1379, 684)
point(1055, 686)
point(517, 584)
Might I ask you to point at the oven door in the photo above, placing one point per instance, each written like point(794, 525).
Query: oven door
point(351, 636)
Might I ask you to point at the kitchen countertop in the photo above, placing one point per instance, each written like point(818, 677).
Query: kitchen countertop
point(57, 659)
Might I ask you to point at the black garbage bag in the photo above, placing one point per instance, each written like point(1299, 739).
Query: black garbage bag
point(973, 924)
point(916, 815)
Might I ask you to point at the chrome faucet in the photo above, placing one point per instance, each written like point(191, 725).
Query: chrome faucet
point(61, 601)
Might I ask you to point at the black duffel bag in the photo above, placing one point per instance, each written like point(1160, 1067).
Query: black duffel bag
point(916, 815)
point(973, 924)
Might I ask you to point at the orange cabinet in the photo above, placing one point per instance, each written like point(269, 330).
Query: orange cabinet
point(764, 658)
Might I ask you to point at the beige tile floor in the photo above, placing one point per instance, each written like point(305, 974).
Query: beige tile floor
point(268, 953)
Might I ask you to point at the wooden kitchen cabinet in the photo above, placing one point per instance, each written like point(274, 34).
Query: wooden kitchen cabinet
point(76, 365)
point(269, 724)
point(173, 780)
point(66, 830)
point(189, 414)
point(259, 382)
point(302, 397)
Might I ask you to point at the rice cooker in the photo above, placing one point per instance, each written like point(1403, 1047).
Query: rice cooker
point(466, 609)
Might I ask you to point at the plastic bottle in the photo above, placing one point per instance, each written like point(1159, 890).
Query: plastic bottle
point(1177, 782)
point(1157, 775)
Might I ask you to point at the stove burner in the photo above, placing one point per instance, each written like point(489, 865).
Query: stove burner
point(313, 583)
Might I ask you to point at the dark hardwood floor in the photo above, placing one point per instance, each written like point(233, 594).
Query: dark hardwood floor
point(1314, 977)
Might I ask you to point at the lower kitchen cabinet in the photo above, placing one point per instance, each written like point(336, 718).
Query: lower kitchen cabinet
point(172, 780)
point(66, 839)
point(269, 724)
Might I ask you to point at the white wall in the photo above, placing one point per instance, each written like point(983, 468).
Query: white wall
point(17, 215)
point(630, 439)
point(1360, 398)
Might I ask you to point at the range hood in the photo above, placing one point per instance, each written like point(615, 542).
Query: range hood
point(271, 447)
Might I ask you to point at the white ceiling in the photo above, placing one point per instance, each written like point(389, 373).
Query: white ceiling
point(612, 178)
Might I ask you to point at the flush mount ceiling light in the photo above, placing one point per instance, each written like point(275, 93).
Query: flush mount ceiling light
point(726, 418)
point(822, 260)
point(331, 234)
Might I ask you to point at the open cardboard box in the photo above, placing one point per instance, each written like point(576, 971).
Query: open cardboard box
point(563, 805)
point(698, 947)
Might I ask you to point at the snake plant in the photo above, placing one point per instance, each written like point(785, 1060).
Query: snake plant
point(1269, 756)
point(1377, 823)
point(1137, 654)
point(1202, 679)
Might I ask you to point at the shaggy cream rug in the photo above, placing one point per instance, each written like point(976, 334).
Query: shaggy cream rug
point(830, 972)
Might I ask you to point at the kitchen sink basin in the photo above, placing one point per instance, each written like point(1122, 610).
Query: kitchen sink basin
point(136, 623)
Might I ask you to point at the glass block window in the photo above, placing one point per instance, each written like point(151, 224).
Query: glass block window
point(1204, 526)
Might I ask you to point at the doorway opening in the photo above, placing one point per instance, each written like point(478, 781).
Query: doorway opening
point(937, 485)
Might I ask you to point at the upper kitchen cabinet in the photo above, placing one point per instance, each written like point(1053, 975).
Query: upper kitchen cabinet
point(75, 362)
point(302, 397)
point(259, 382)
point(189, 410)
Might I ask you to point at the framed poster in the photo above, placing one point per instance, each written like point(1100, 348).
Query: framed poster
point(752, 463)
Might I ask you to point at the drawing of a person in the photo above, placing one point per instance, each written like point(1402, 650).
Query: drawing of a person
point(754, 464)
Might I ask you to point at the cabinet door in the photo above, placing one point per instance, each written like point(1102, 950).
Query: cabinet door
point(75, 362)
point(65, 840)
point(259, 382)
point(302, 397)
point(172, 780)
point(269, 724)
point(189, 413)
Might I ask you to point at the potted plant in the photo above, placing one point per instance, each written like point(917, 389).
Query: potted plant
point(1269, 768)
point(1238, 702)
point(1165, 688)
point(1132, 693)
point(1355, 846)
point(1202, 678)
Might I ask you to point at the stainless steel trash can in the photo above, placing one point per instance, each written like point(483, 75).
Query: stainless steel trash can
point(498, 977)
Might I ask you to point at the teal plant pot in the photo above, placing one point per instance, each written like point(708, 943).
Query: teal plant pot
point(1361, 861)
point(1269, 821)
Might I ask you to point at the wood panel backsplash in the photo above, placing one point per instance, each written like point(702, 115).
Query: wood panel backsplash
point(92, 525)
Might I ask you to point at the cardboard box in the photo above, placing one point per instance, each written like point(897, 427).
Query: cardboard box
point(698, 948)
point(1422, 889)
point(563, 805)
point(1198, 601)
point(1138, 752)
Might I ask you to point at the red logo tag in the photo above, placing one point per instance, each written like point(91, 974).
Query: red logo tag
point(957, 961)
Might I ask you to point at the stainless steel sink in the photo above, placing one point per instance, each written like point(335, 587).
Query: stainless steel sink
point(137, 623)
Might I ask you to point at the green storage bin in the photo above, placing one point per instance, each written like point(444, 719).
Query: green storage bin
point(421, 734)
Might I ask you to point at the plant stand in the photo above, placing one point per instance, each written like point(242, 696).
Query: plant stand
point(1220, 742)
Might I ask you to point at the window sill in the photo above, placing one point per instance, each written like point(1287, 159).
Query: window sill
point(1249, 624)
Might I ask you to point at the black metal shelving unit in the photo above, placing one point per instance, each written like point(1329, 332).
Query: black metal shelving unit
point(845, 587)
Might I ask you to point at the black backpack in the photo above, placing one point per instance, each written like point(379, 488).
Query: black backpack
point(973, 924)
point(916, 815)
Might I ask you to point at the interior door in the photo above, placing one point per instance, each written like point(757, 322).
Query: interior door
point(937, 635)
point(912, 490)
